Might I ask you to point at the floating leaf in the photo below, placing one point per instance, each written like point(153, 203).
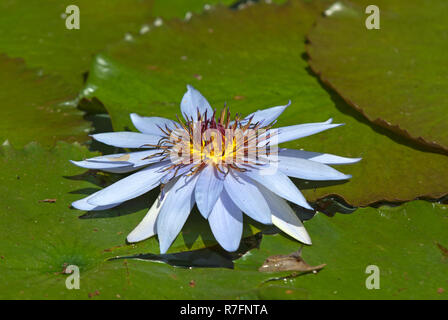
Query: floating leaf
point(401, 241)
point(36, 29)
point(32, 107)
point(396, 76)
point(169, 9)
point(39, 240)
point(253, 59)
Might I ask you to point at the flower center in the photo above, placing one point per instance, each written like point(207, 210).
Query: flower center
point(219, 142)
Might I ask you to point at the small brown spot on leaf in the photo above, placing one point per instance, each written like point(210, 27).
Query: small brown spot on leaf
point(48, 200)
point(440, 290)
point(288, 291)
point(93, 294)
point(239, 97)
point(192, 284)
point(443, 250)
point(113, 248)
point(198, 76)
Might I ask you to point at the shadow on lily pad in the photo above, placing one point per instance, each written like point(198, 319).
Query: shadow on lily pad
point(210, 257)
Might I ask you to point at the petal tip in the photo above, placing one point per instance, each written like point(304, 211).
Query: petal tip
point(307, 242)
point(306, 206)
point(131, 238)
point(76, 163)
point(163, 248)
point(76, 205)
point(134, 115)
point(231, 248)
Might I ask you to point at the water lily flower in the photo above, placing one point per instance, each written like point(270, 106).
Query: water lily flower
point(226, 167)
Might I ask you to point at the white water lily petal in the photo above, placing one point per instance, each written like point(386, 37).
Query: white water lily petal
point(309, 170)
point(208, 188)
point(266, 116)
point(135, 158)
point(147, 227)
point(280, 184)
point(175, 211)
point(303, 130)
point(226, 222)
point(284, 218)
point(324, 158)
point(152, 125)
point(109, 167)
point(84, 205)
point(285, 134)
point(125, 139)
point(172, 174)
point(192, 102)
point(132, 186)
point(245, 194)
point(121, 162)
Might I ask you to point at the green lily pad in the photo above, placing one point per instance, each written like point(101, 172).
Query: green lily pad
point(182, 9)
point(36, 31)
point(41, 234)
point(253, 59)
point(32, 107)
point(407, 243)
point(395, 76)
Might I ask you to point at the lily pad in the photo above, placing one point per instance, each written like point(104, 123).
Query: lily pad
point(36, 31)
point(40, 239)
point(253, 59)
point(41, 235)
point(183, 9)
point(395, 76)
point(32, 107)
point(401, 241)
